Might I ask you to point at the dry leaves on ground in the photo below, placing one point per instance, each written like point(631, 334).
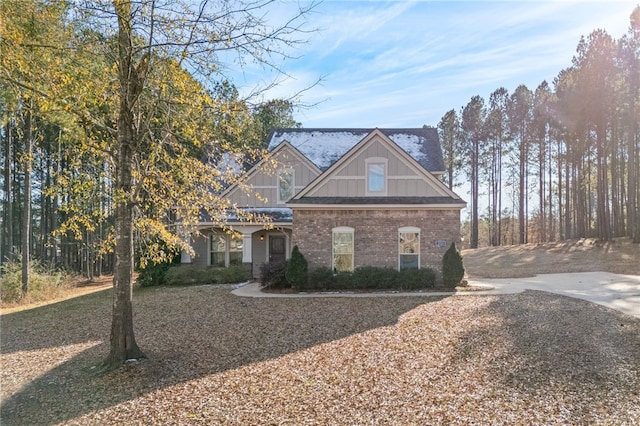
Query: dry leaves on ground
point(582, 255)
point(214, 358)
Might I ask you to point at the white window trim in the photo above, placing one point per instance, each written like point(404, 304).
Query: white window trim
point(343, 230)
point(227, 247)
point(290, 171)
point(410, 230)
point(385, 164)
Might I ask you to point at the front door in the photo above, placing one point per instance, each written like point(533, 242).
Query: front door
point(277, 248)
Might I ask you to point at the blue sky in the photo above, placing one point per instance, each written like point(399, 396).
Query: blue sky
point(406, 63)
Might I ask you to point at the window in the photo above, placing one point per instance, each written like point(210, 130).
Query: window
point(285, 185)
point(235, 250)
point(342, 249)
point(376, 176)
point(408, 248)
point(218, 250)
point(225, 250)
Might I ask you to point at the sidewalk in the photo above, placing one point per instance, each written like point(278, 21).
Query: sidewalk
point(620, 292)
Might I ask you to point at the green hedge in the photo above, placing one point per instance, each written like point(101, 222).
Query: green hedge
point(191, 274)
point(371, 278)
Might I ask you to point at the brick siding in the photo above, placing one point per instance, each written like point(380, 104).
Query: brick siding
point(375, 234)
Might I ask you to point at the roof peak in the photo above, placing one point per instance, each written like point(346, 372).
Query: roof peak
point(324, 146)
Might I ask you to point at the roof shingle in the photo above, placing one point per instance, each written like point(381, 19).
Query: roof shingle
point(325, 146)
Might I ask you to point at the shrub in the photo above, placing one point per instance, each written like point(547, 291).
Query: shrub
point(452, 267)
point(417, 279)
point(44, 284)
point(192, 274)
point(371, 277)
point(296, 273)
point(189, 274)
point(272, 275)
point(153, 274)
point(321, 279)
point(344, 281)
point(231, 275)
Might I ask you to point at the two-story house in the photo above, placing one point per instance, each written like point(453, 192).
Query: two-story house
point(346, 197)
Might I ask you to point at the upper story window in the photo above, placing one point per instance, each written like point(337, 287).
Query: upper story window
point(376, 176)
point(286, 185)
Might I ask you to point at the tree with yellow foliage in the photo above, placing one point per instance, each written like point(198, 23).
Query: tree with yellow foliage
point(134, 75)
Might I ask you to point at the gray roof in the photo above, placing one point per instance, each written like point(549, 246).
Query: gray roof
point(326, 146)
point(274, 214)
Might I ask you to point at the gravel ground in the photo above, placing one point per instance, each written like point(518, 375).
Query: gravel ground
point(214, 358)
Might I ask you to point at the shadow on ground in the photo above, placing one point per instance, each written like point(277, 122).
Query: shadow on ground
point(547, 348)
point(186, 333)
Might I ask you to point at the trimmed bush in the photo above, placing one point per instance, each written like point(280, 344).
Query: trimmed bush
point(231, 275)
point(272, 275)
point(372, 278)
point(452, 267)
point(418, 279)
point(296, 273)
point(321, 279)
point(344, 281)
point(191, 274)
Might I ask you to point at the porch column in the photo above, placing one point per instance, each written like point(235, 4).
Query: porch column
point(185, 257)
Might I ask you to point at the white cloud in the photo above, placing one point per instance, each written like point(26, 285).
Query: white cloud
point(402, 63)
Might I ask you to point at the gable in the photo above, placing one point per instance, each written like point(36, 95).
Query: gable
point(352, 175)
point(262, 179)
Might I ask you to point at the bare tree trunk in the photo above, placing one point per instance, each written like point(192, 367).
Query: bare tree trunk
point(26, 211)
point(474, 196)
point(8, 192)
point(521, 194)
point(131, 79)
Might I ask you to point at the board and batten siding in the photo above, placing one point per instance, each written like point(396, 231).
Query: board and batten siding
point(265, 181)
point(351, 180)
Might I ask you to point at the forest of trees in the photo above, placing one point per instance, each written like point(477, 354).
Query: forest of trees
point(117, 118)
point(558, 162)
point(58, 167)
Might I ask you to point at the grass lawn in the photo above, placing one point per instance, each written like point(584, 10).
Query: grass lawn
point(215, 358)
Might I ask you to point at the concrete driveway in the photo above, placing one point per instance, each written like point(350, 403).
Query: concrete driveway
point(620, 292)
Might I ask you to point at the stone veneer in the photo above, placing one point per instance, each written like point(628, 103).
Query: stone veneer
point(375, 234)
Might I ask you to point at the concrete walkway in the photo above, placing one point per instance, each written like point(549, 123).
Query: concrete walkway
point(620, 292)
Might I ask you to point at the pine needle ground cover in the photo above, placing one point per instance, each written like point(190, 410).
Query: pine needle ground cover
point(215, 358)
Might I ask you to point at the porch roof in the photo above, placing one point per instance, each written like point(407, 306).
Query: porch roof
point(273, 214)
